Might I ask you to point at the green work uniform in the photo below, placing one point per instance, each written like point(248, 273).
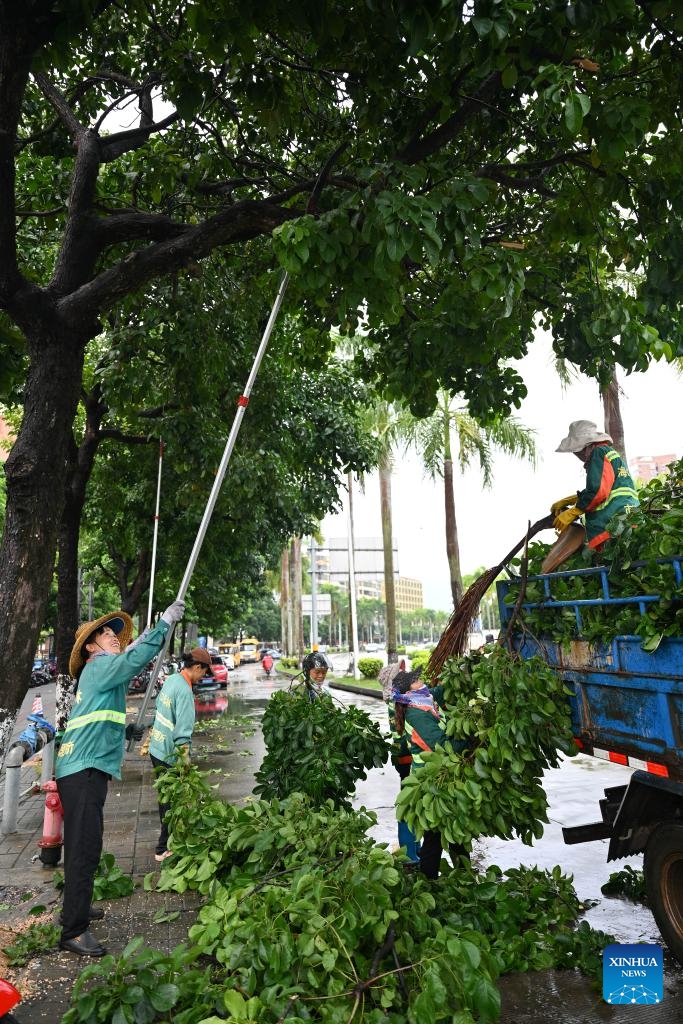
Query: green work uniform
point(174, 720)
point(609, 488)
point(95, 733)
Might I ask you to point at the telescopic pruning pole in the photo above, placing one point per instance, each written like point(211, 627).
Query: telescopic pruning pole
point(242, 403)
point(154, 541)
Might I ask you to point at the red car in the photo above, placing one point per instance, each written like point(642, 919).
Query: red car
point(220, 672)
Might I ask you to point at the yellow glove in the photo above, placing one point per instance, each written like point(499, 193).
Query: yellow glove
point(558, 506)
point(566, 518)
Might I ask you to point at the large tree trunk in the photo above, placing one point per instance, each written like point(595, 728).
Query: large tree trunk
point(80, 465)
point(388, 545)
point(452, 547)
point(612, 409)
point(35, 472)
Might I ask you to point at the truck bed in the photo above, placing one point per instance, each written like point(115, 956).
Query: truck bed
point(627, 703)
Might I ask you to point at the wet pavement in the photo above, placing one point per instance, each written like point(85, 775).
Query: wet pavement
point(131, 826)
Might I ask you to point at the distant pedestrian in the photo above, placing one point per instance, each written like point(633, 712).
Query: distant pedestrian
point(91, 752)
point(171, 732)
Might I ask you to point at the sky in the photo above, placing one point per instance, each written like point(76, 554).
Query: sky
point(491, 522)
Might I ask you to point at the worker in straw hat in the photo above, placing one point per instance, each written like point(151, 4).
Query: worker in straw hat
point(609, 487)
point(103, 661)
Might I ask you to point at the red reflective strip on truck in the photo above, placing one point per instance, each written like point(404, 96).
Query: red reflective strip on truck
point(629, 762)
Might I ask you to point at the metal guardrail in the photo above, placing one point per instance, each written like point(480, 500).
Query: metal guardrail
point(21, 780)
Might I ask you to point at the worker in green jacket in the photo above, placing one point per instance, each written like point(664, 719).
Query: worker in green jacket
point(609, 487)
point(173, 725)
point(103, 661)
point(419, 715)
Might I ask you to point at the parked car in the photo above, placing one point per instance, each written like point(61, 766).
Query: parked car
point(219, 668)
point(372, 648)
point(229, 662)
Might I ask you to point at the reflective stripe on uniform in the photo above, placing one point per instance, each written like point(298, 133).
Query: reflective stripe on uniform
point(118, 717)
point(161, 720)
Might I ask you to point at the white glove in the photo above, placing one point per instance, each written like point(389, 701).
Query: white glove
point(174, 612)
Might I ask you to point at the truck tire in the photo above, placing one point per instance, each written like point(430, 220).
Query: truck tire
point(663, 870)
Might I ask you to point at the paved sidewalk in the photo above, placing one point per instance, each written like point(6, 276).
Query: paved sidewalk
point(131, 827)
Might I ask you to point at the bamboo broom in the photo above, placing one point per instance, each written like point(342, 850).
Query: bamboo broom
point(453, 640)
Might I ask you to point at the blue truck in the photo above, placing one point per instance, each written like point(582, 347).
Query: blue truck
point(627, 708)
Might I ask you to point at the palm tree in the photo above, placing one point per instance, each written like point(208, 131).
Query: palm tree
point(432, 437)
point(390, 424)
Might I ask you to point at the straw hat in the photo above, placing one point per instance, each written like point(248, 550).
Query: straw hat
point(581, 433)
point(120, 622)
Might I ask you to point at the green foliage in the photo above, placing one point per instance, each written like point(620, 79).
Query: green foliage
point(514, 717)
point(306, 917)
point(110, 882)
point(289, 662)
point(37, 938)
point(142, 985)
point(629, 882)
point(369, 668)
point(316, 747)
point(419, 659)
point(644, 538)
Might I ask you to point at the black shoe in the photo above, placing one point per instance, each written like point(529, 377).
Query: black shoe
point(94, 914)
point(84, 944)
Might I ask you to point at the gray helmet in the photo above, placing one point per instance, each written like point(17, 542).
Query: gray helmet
point(315, 659)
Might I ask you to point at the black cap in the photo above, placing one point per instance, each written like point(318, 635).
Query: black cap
point(404, 680)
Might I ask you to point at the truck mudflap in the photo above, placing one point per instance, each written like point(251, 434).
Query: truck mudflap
point(631, 813)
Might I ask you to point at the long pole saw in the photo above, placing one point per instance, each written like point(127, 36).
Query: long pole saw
point(154, 541)
point(242, 403)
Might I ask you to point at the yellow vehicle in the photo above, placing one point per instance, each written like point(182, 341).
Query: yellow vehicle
point(234, 650)
point(250, 650)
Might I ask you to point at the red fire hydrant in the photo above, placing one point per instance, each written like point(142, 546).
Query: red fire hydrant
point(53, 826)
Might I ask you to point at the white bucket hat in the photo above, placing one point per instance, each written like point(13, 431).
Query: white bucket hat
point(581, 433)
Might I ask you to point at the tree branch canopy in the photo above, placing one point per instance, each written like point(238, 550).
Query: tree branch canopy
point(453, 123)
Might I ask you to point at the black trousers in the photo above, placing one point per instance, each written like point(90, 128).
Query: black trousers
point(162, 842)
point(82, 795)
point(430, 853)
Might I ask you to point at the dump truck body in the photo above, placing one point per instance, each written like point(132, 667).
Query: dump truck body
point(626, 707)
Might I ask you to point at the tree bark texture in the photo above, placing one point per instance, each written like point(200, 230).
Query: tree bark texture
point(388, 546)
point(35, 472)
point(614, 425)
point(452, 547)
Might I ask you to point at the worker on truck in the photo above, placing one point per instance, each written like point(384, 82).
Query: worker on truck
point(609, 487)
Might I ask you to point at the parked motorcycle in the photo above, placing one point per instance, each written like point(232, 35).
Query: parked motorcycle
point(140, 682)
point(40, 677)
